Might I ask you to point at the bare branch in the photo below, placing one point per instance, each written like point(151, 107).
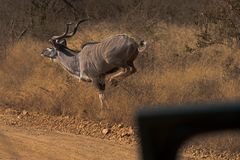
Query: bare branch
point(22, 34)
point(75, 12)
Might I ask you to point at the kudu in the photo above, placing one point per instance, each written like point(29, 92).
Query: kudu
point(96, 59)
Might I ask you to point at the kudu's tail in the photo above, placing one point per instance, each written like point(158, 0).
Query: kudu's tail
point(142, 46)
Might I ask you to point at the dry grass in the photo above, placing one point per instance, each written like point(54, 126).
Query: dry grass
point(178, 67)
point(176, 76)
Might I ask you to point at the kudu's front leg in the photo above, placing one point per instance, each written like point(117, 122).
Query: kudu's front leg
point(99, 83)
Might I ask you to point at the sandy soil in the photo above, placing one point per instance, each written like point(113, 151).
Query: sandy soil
point(19, 143)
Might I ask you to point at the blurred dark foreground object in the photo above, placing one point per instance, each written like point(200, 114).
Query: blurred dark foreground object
point(162, 130)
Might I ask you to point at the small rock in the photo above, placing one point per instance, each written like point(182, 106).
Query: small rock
point(10, 111)
point(124, 134)
point(24, 112)
point(105, 131)
point(13, 123)
point(130, 131)
point(66, 117)
point(120, 126)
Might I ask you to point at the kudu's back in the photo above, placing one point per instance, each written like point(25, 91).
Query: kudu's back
point(116, 51)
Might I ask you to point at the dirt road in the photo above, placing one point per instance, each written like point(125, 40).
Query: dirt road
point(22, 144)
point(33, 136)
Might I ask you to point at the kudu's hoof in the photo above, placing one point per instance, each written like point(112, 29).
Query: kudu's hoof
point(113, 82)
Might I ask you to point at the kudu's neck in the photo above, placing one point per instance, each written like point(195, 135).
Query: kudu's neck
point(69, 60)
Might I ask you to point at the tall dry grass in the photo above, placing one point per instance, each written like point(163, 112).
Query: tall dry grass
point(177, 75)
point(191, 58)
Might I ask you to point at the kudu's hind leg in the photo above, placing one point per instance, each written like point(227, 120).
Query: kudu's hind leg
point(127, 71)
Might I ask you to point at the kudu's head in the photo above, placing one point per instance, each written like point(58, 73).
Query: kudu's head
point(59, 42)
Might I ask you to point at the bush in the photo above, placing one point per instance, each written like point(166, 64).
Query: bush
point(192, 56)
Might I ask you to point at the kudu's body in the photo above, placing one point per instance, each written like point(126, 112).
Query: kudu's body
point(96, 59)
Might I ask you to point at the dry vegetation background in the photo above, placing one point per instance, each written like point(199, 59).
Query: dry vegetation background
point(193, 54)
